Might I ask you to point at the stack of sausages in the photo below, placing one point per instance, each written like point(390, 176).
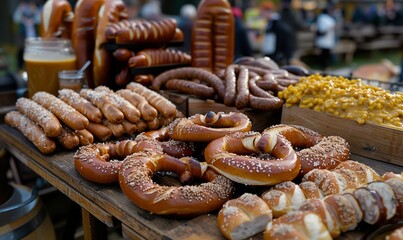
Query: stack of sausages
point(75, 119)
point(241, 85)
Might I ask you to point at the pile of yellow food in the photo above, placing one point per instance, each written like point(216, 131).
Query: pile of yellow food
point(348, 99)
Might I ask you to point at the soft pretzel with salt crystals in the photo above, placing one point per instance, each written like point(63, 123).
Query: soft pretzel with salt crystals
point(208, 127)
point(94, 161)
point(231, 156)
point(316, 152)
point(135, 178)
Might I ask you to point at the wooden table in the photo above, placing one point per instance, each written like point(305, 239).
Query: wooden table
point(110, 206)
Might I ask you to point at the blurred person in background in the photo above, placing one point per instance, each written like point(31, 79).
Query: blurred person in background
point(27, 16)
point(242, 44)
point(290, 17)
point(188, 13)
point(325, 37)
point(151, 10)
point(277, 43)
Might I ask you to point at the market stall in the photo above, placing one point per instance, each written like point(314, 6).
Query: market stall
point(171, 145)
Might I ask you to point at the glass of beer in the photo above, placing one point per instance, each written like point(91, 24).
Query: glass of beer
point(44, 59)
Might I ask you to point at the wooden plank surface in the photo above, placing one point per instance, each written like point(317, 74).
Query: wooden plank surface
point(368, 140)
point(108, 198)
point(136, 223)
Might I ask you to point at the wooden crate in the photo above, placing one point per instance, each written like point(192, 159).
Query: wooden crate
point(368, 140)
point(190, 105)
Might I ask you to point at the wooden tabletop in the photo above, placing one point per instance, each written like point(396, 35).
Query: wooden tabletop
point(108, 204)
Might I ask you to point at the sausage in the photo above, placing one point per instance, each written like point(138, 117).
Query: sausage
point(242, 96)
point(190, 73)
point(189, 87)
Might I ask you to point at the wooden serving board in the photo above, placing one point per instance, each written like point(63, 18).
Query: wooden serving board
point(368, 140)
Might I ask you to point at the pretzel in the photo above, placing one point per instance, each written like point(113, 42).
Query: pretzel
point(109, 13)
point(84, 136)
point(102, 101)
point(230, 156)
point(100, 131)
point(81, 104)
point(130, 112)
point(169, 146)
point(95, 162)
point(135, 178)
point(317, 152)
point(64, 112)
point(163, 105)
point(56, 19)
point(117, 128)
point(68, 139)
point(208, 127)
point(33, 132)
point(40, 115)
point(147, 111)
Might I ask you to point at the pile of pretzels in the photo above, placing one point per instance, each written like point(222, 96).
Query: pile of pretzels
point(75, 119)
point(232, 154)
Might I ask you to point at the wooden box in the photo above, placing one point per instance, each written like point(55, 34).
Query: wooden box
point(190, 105)
point(368, 140)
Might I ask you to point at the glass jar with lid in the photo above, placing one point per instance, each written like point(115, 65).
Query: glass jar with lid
point(44, 58)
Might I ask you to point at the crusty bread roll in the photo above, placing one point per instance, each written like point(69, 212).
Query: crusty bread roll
point(40, 115)
point(397, 234)
point(364, 173)
point(397, 186)
point(371, 205)
point(297, 225)
point(33, 132)
point(343, 212)
point(243, 217)
point(284, 197)
point(319, 207)
point(387, 195)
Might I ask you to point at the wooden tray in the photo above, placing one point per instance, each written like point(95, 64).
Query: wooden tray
point(368, 140)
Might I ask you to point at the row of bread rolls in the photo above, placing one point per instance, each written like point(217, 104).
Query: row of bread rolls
point(318, 183)
point(75, 119)
point(375, 203)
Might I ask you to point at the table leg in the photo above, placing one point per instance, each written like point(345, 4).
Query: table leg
point(93, 228)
